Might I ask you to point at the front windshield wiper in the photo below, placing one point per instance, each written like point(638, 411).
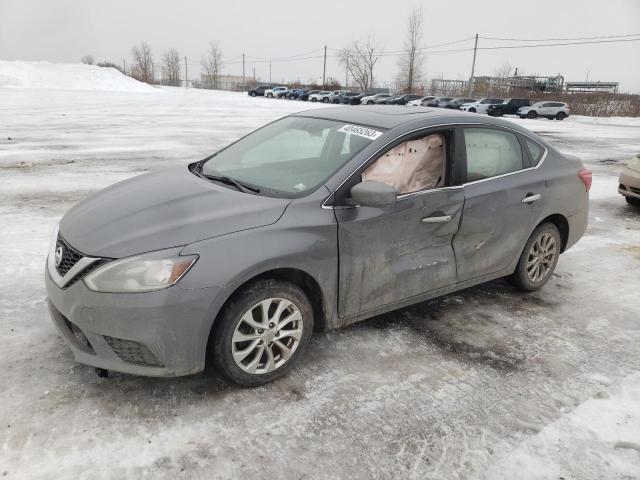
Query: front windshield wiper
point(243, 187)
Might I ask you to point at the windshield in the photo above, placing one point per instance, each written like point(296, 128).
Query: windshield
point(292, 155)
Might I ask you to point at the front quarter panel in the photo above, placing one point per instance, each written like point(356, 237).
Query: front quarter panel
point(305, 238)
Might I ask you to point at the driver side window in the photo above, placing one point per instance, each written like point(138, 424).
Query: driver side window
point(412, 166)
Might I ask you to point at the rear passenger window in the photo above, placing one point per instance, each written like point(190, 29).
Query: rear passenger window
point(535, 151)
point(491, 153)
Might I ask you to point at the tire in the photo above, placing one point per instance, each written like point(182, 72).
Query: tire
point(633, 201)
point(269, 95)
point(325, 100)
point(253, 94)
point(231, 324)
point(336, 101)
point(472, 110)
point(561, 116)
point(369, 102)
point(314, 99)
point(525, 276)
point(497, 113)
point(532, 114)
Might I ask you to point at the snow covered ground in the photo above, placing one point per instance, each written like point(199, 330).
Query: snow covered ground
point(485, 383)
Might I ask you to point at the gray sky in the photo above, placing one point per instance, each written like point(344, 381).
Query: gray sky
point(65, 30)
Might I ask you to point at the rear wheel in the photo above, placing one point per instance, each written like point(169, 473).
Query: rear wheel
point(561, 116)
point(325, 100)
point(472, 110)
point(314, 99)
point(253, 94)
point(270, 95)
point(497, 113)
point(262, 332)
point(538, 259)
point(633, 201)
point(369, 102)
point(532, 114)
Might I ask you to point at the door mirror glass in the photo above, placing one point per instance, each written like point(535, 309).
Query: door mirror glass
point(372, 193)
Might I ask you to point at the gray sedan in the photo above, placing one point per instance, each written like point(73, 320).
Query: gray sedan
point(312, 222)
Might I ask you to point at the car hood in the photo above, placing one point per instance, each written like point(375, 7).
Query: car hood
point(162, 210)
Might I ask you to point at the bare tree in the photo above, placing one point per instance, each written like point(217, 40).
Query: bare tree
point(360, 59)
point(412, 60)
point(503, 71)
point(142, 63)
point(171, 68)
point(88, 60)
point(212, 65)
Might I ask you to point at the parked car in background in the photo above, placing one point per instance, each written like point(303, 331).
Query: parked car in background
point(402, 99)
point(321, 96)
point(372, 99)
point(455, 103)
point(385, 100)
point(142, 279)
point(510, 106)
point(259, 91)
point(480, 106)
point(550, 110)
point(294, 93)
point(305, 95)
point(350, 98)
point(420, 102)
point(335, 96)
point(276, 92)
point(630, 182)
point(439, 102)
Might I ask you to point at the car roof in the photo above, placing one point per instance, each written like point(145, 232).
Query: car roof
point(389, 116)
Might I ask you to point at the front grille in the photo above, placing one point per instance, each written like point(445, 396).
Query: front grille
point(69, 258)
point(133, 352)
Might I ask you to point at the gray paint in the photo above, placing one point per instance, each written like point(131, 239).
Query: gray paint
point(365, 260)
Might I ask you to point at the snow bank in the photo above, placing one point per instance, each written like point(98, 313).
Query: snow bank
point(66, 76)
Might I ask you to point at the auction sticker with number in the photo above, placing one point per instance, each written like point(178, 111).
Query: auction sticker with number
point(361, 131)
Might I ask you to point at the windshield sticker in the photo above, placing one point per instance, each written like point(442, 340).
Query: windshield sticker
point(361, 131)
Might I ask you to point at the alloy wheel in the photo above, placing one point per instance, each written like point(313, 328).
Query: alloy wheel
point(541, 257)
point(267, 336)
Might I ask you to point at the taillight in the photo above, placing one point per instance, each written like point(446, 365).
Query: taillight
point(586, 177)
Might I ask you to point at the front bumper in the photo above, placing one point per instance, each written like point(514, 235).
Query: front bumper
point(160, 334)
point(629, 183)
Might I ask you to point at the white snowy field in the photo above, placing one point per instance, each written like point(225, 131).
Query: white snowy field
point(486, 383)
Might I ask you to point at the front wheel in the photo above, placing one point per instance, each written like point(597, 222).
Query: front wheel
point(369, 102)
point(633, 201)
point(497, 113)
point(269, 95)
point(313, 100)
point(532, 114)
point(262, 332)
point(472, 110)
point(538, 259)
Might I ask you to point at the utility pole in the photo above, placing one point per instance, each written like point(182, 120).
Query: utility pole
point(473, 68)
point(254, 75)
point(186, 77)
point(124, 67)
point(244, 82)
point(324, 68)
point(269, 72)
point(346, 76)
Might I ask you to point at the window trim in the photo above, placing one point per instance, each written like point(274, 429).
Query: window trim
point(454, 125)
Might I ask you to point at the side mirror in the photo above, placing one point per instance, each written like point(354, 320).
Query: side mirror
point(372, 193)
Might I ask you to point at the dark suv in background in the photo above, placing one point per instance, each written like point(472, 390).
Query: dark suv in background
point(509, 107)
point(259, 91)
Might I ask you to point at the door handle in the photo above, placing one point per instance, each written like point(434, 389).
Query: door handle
point(530, 198)
point(443, 219)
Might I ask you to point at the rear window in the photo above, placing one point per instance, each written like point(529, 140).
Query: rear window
point(535, 150)
point(491, 152)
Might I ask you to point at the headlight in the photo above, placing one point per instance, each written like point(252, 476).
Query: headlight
point(634, 163)
point(142, 273)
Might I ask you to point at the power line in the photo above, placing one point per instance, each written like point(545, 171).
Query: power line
point(558, 39)
point(559, 44)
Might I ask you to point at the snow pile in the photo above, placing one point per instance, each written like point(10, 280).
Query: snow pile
point(66, 76)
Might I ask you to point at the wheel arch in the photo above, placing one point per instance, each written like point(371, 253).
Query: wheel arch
point(295, 276)
point(562, 224)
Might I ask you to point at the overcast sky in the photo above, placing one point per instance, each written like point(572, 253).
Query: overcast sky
point(65, 30)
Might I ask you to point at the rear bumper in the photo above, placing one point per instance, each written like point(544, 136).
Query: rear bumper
point(629, 183)
point(160, 334)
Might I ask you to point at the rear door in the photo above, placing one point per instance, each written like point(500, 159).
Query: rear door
point(391, 254)
point(503, 199)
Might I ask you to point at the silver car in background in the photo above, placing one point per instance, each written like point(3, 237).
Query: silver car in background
point(550, 110)
point(312, 222)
